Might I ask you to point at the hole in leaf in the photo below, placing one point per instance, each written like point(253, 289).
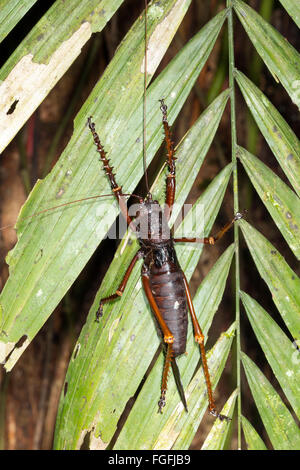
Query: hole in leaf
point(18, 345)
point(12, 107)
point(76, 351)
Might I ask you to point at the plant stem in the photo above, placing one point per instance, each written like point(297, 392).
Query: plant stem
point(236, 209)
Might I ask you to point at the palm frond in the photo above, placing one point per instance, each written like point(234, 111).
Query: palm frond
point(110, 362)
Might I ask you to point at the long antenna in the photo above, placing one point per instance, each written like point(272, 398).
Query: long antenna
point(43, 211)
point(144, 107)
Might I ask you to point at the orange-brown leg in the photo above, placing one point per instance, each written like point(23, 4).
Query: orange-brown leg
point(168, 361)
point(116, 189)
point(199, 338)
point(171, 178)
point(212, 239)
point(168, 338)
point(121, 288)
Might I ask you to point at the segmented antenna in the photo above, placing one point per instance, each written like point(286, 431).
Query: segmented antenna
point(144, 103)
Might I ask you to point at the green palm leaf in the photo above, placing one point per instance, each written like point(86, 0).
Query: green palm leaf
point(280, 57)
point(253, 440)
point(44, 56)
point(43, 265)
point(282, 281)
point(280, 137)
point(11, 13)
point(279, 350)
point(293, 9)
point(283, 62)
point(279, 199)
point(279, 423)
point(110, 360)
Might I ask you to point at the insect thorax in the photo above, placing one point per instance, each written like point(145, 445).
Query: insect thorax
point(151, 224)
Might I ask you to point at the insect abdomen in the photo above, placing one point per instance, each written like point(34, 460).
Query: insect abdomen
point(168, 289)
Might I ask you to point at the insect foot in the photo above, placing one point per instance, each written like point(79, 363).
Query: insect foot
point(240, 215)
point(99, 313)
point(224, 418)
point(219, 415)
point(162, 402)
point(163, 108)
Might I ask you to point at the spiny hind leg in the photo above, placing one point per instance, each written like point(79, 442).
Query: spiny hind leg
point(171, 178)
point(199, 338)
point(106, 166)
point(166, 370)
point(116, 189)
point(168, 337)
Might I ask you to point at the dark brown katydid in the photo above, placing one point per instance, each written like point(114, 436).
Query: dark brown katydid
point(163, 280)
point(170, 309)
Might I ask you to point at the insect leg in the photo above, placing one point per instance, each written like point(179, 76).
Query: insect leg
point(171, 178)
point(199, 338)
point(212, 239)
point(168, 337)
point(117, 190)
point(121, 287)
